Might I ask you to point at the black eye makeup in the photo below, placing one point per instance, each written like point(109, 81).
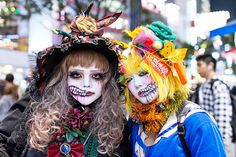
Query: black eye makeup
point(128, 79)
point(74, 74)
point(99, 76)
point(143, 73)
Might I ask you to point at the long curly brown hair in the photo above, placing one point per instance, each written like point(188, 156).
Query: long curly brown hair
point(108, 122)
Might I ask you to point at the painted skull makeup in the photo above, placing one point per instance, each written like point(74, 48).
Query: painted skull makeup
point(143, 88)
point(85, 83)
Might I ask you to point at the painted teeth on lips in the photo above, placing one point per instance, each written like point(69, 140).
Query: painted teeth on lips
point(85, 94)
point(77, 91)
point(146, 91)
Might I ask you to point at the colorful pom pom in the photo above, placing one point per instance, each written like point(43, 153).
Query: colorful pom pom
point(157, 45)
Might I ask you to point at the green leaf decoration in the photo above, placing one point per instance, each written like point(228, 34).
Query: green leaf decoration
point(79, 132)
point(75, 134)
point(122, 79)
point(69, 137)
point(66, 128)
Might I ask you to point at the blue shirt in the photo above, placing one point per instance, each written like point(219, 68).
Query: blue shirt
point(203, 139)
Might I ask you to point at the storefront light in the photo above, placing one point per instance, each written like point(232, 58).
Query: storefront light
point(226, 47)
point(6, 43)
point(201, 51)
point(7, 69)
point(19, 70)
point(2, 4)
point(13, 9)
point(216, 55)
point(6, 10)
point(229, 71)
point(13, 36)
point(17, 11)
point(217, 42)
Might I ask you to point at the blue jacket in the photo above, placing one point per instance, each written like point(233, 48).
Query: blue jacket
point(203, 139)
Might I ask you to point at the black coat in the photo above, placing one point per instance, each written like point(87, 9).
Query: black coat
point(13, 136)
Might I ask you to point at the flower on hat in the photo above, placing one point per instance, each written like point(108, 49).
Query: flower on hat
point(86, 24)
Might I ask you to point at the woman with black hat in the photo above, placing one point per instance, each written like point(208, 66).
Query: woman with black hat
point(76, 110)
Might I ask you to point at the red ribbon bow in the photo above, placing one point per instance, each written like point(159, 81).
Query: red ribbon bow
point(77, 150)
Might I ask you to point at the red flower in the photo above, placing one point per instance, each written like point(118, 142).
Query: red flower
point(74, 123)
point(59, 133)
point(148, 41)
point(76, 118)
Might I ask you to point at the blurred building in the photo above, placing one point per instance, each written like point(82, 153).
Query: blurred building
point(20, 38)
point(13, 42)
point(214, 28)
point(228, 5)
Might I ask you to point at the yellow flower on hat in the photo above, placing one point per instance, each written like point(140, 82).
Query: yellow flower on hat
point(167, 49)
point(87, 24)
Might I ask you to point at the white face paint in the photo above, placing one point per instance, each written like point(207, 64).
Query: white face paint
point(85, 83)
point(143, 88)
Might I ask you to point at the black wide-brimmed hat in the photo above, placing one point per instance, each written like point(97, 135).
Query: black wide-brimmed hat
point(86, 33)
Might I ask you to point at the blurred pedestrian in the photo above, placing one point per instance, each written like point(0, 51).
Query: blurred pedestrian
point(2, 85)
point(8, 99)
point(214, 97)
point(194, 89)
point(163, 123)
point(9, 78)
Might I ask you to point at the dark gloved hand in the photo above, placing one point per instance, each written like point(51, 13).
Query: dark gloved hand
point(34, 153)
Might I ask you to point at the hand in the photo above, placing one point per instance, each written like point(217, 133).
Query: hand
point(34, 153)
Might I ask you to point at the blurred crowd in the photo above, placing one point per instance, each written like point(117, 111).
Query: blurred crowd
point(9, 94)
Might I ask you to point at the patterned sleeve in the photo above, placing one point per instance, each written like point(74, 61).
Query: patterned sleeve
point(222, 108)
